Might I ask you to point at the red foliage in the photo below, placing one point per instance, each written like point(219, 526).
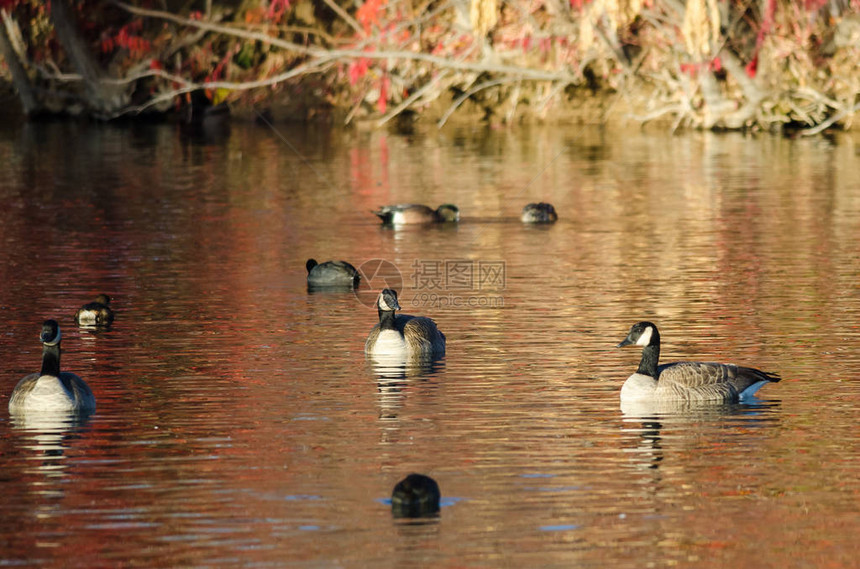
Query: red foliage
point(545, 45)
point(126, 38)
point(277, 9)
point(752, 67)
point(368, 13)
point(766, 23)
point(384, 86)
point(691, 69)
point(814, 5)
point(218, 73)
point(358, 69)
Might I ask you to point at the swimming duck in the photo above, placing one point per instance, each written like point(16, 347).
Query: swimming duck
point(539, 213)
point(402, 335)
point(402, 214)
point(96, 313)
point(51, 389)
point(686, 381)
point(332, 274)
point(416, 496)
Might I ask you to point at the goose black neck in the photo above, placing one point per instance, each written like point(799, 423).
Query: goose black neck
point(386, 319)
point(650, 357)
point(51, 360)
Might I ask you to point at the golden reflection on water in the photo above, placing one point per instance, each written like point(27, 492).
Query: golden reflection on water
point(239, 421)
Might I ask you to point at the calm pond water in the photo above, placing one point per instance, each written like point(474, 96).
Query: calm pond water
point(239, 424)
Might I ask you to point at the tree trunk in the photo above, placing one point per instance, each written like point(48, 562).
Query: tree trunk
point(103, 99)
point(29, 102)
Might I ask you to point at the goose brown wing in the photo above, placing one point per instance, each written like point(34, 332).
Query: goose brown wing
point(421, 333)
point(698, 381)
point(710, 380)
point(371, 338)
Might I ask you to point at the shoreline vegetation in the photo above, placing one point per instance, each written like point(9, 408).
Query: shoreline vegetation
point(760, 65)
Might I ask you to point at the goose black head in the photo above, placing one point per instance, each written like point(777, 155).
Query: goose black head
point(311, 264)
point(103, 299)
point(641, 334)
point(50, 335)
point(387, 301)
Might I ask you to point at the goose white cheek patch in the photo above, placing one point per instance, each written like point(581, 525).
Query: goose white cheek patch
point(645, 338)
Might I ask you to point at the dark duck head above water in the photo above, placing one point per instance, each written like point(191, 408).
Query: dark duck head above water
point(416, 496)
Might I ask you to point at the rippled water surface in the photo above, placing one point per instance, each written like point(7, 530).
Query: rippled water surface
point(239, 424)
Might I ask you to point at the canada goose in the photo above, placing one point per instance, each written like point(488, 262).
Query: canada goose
point(332, 274)
point(51, 389)
point(403, 335)
point(402, 214)
point(96, 313)
point(416, 496)
point(539, 213)
point(685, 381)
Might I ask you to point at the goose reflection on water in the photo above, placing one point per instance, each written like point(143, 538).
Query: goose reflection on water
point(394, 384)
point(648, 420)
point(402, 366)
point(47, 435)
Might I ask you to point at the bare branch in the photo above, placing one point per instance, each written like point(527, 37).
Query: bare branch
point(411, 99)
point(469, 93)
point(831, 121)
point(315, 66)
point(658, 113)
point(346, 17)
